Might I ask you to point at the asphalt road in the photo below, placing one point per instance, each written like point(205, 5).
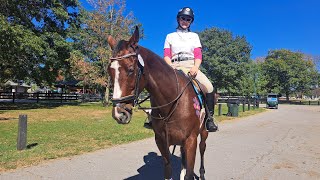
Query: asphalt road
point(277, 144)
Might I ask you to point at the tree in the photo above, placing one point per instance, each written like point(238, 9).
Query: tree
point(288, 72)
point(253, 81)
point(90, 41)
point(316, 61)
point(33, 36)
point(226, 59)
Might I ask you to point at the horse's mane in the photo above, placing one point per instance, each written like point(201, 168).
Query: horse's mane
point(161, 70)
point(154, 60)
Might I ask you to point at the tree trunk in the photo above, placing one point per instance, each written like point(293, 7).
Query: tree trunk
point(107, 93)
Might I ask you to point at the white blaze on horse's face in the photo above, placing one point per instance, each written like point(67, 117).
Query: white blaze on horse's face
point(116, 90)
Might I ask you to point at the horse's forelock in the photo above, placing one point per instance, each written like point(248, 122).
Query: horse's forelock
point(120, 46)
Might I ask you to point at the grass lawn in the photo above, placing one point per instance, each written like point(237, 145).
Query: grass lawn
point(64, 130)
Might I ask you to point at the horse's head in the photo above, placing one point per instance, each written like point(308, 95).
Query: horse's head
point(125, 72)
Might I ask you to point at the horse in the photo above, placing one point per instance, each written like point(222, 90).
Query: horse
point(174, 103)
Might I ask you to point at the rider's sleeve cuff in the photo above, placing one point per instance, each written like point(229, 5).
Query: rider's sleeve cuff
point(167, 52)
point(197, 53)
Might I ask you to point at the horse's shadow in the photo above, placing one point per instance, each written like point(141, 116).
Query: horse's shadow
point(154, 169)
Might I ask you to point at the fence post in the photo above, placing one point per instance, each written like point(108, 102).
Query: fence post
point(248, 104)
point(61, 97)
point(219, 109)
point(309, 103)
point(22, 132)
point(318, 103)
point(37, 97)
point(13, 96)
point(243, 105)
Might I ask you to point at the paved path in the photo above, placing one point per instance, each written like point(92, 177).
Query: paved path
point(278, 144)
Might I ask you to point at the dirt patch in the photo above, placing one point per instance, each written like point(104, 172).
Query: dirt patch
point(313, 174)
point(286, 165)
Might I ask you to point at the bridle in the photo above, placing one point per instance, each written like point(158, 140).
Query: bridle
point(135, 96)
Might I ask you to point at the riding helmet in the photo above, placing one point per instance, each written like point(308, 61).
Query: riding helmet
point(186, 11)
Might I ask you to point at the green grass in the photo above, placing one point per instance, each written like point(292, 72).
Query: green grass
point(241, 114)
point(56, 131)
point(63, 131)
point(301, 102)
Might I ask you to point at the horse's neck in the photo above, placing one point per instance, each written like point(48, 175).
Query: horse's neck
point(161, 79)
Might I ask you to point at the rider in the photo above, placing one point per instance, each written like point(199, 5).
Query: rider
point(182, 50)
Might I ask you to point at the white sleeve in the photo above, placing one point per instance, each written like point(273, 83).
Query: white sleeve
point(167, 42)
point(197, 42)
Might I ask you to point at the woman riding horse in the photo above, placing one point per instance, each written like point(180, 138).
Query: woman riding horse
point(175, 113)
point(182, 50)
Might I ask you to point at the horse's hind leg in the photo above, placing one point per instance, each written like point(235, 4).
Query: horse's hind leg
point(164, 150)
point(202, 147)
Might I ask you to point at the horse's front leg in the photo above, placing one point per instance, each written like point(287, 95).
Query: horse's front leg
point(183, 163)
point(190, 148)
point(164, 150)
point(202, 147)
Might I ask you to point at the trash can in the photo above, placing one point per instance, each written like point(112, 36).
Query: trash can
point(233, 109)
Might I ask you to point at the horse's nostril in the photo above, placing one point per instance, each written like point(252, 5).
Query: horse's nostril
point(123, 117)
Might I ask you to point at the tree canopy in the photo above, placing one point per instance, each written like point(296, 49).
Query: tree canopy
point(41, 41)
point(288, 72)
point(90, 56)
point(33, 38)
point(226, 59)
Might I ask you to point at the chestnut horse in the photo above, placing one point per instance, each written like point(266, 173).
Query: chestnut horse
point(174, 103)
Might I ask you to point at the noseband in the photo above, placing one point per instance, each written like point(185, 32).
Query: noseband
point(133, 97)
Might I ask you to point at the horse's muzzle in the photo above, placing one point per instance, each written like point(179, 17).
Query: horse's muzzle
point(122, 113)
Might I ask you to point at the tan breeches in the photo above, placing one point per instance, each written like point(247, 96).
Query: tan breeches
point(185, 66)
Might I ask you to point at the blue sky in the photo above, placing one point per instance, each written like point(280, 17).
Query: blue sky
point(267, 25)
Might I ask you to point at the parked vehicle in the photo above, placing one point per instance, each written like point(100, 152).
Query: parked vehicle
point(272, 101)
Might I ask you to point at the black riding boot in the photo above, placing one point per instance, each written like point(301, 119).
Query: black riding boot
point(210, 125)
point(148, 124)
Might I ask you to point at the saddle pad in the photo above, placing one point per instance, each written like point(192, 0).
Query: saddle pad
point(195, 86)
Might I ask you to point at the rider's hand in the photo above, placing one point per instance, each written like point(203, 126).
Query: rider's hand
point(194, 70)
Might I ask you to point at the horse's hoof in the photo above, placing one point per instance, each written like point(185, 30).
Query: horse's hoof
point(202, 177)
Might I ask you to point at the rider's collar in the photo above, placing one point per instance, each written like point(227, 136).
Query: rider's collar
point(182, 30)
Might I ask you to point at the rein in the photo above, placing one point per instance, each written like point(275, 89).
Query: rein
point(167, 104)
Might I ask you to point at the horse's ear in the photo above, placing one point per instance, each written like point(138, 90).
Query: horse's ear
point(112, 42)
point(134, 38)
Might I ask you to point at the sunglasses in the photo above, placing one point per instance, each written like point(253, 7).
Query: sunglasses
point(185, 19)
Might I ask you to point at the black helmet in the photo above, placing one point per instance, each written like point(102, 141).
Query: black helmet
point(186, 11)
